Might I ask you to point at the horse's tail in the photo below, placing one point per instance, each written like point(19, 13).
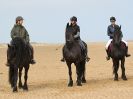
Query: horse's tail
point(11, 74)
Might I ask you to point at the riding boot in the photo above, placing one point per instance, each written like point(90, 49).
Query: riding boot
point(107, 57)
point(63, 59)
point(32, 60)
point(84, 50)
point(87, 58)
point(127, 55)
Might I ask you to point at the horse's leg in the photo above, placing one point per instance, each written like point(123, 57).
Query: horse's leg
point(20, 81)
point(15, 79)
point(79, 73)
point(25, 87)
point(115, 66)
point(70, 84)
point(83, 74)
point(123, 69)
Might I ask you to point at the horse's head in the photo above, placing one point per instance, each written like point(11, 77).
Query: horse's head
point(117, 36)
point(11, 51)
point(69, 36)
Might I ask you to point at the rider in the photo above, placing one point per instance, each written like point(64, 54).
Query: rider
point(76, 28)
point(19, 31)
point(110, 32)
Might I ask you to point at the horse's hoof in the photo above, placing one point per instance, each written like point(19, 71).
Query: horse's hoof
point(25, 88)
point(83, 81)
point(115, 79)
point(20, 86)
point(70, 84)
point(15, 89)
point(79, 84)
point(124, 78)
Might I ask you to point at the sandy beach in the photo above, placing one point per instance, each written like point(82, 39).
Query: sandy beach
point(49, 77)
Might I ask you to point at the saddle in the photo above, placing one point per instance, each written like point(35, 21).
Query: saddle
point(122, 44)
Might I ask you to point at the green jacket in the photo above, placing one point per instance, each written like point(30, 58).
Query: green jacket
point(20, 31)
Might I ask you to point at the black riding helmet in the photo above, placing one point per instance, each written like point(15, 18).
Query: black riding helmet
point(73, 18)
point(112, 19)
point(19, 18)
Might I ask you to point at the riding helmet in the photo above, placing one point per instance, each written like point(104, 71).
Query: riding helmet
point(19, 18)
point(112, 18)
point(73, 18)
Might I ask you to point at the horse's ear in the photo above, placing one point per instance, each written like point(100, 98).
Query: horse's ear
point(8, 45)
point(67, 25)
point(120, 27)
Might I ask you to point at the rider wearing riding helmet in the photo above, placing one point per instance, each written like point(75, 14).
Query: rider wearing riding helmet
point(76, 31)
point(19, 31)
point(110, 32)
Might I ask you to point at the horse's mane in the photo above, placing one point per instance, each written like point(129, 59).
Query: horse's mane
point(21, 49)
point(118, 30)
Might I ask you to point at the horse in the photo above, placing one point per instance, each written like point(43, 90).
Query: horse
point(73, 54)
point(19, 54)
point(117, 53)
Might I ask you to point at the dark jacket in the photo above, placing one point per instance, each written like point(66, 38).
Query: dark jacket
point(111, 30)
point(20, 31)
point(76, 31)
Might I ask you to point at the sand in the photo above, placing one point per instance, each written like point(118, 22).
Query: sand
point(49, 77)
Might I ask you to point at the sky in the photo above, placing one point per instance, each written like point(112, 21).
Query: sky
point(45, 20)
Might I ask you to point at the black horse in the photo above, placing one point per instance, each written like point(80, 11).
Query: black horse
point(73, 54)
point(19, 54)
point(117, 51)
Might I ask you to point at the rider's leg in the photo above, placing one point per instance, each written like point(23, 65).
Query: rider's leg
point(63, 59)
point(84, 50)
point(31, 51)
point(127, 55)
point(8, 60)
point(107, 45)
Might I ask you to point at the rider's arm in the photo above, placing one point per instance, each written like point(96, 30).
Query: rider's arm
point(108, 32)
point(13, 34)
point(27, 36)
point(78, 33)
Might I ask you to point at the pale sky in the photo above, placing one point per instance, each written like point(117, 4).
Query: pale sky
point(45, 20)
